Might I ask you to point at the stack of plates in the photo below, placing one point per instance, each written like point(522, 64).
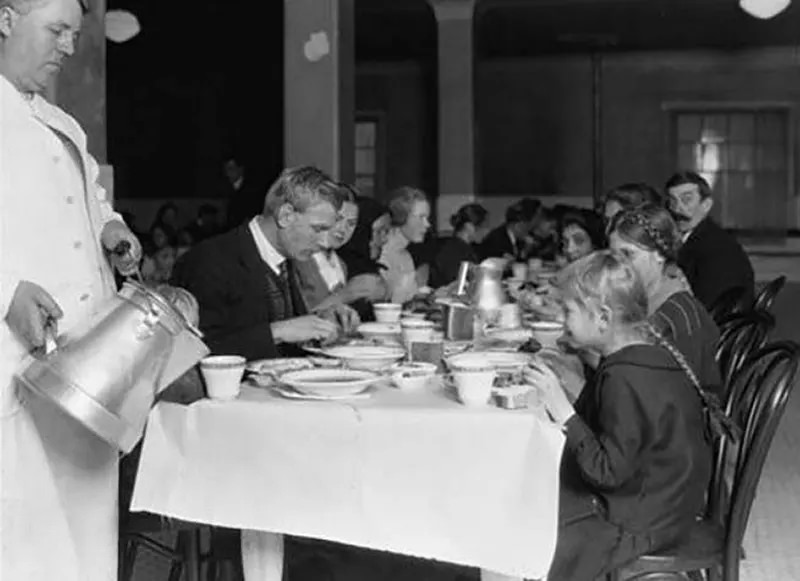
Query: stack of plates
point(516, 336)
point(330, 383)
point(365, 357)
point(501, 360)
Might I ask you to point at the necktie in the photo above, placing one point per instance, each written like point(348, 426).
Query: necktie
point(286, 287)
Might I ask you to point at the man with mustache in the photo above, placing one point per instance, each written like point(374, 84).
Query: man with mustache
point(711, 258)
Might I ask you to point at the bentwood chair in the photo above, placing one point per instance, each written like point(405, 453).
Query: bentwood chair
point(730, 302)
point(139, 530)
point(766, 297)
point(712, 549)
point(741, 335)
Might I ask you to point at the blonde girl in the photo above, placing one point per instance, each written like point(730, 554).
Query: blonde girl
point(637, 458)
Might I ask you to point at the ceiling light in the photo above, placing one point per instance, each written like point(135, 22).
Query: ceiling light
point(764, 9)
point(121, 25)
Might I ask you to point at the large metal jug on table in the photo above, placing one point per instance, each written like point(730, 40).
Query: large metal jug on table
point(481, 284)
point(108, 375)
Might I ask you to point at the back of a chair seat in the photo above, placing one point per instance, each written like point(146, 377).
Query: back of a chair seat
point(766, 297)
point(741, 335)
point(757, 401)
point(728, 303)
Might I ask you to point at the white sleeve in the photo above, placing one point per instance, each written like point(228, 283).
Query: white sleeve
point(107, 213)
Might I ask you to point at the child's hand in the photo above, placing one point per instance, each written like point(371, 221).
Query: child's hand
point(550, 392)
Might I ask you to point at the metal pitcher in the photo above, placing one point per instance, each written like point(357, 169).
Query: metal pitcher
point(482, 284)
point(108, 375)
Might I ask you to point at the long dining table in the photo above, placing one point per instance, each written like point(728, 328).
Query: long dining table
point(409, 472)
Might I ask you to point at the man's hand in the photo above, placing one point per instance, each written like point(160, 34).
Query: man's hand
point(303, 328)
point(123, 247)
point(32, 314)
point(366, 286)
point(342, 316)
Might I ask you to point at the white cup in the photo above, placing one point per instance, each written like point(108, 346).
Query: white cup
point(222, 375)
point(415, 331)
point(387, 312)
point(510, 316)
point(535, 264)
point(547, 333)
point(519, 270)
point(474, 384)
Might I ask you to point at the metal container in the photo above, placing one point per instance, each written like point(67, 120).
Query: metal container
point(107, 377)
point(458, 321)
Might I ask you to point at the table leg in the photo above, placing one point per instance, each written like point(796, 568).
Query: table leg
point(192, 565)
point(262, 556)
point(492, 576)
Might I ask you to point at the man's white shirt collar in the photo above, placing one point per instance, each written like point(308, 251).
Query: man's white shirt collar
point(511, 237)
point(330, 269)
point(268, 253)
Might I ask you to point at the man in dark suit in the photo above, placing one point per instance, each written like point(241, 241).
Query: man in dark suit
point(246, 287)
point(711, 258)
point(510, 239)
point(244, 280)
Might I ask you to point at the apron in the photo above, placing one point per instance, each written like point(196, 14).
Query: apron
point(58, 481)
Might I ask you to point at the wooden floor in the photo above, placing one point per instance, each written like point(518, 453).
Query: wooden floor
point(772, 542)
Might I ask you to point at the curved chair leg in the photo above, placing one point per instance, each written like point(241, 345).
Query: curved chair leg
point(177, 566)
point(659, 576)
point(128, 558)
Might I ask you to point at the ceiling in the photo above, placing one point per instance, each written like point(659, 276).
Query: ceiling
point(393, 29)
point(182, 30)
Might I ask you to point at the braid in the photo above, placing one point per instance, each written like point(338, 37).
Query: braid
point(720, 423)
point(652, 232)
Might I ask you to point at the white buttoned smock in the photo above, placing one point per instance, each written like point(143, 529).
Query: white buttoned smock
point(58, 482)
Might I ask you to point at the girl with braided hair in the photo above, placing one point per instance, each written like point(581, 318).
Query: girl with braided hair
point(637, 459)
point(649, 237)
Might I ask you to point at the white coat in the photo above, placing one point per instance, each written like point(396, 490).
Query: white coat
point(58, 482)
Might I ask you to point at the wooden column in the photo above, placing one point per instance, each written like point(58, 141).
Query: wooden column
point(319, 85)
point(454, 20)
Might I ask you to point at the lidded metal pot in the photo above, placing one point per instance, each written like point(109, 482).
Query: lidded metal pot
point(107, 376)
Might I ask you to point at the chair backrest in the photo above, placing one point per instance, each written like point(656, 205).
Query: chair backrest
point(741, 335)
point(757, 401)
point(729, 302)
point(768, 294)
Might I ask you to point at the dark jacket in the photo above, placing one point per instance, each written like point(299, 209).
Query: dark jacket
point(713, 262)
point(639, 441)
point(497, 244)
point(444, 268)
point(239, 295)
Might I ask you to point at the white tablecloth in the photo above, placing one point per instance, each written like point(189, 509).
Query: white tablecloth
point(410, 473)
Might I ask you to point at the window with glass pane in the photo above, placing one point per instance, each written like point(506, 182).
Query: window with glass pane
point(366, 154)
point(744, 155)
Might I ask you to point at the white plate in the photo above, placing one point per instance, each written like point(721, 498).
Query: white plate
point(501, 360)
point(378, 329)
point(278, 365)
point(330, 382)
point(369, 357)
point(518, 335)
point(290, 393)
point(455, 347)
